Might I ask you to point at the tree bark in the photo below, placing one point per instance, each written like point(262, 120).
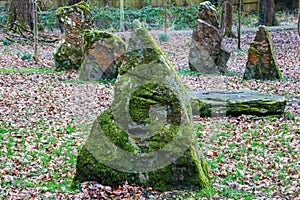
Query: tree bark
point(227, 18)
point(21, 13)
point(239, 24)
point(122, 17)
point(267, 13)
point(165, 16)
point(35, 31)
point(299, 17)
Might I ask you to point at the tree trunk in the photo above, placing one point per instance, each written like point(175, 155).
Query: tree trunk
point(35, 31)
point(299, 18)
point(122, 18)
point(165, 16)
point(267, 13)
point(21, 13)
point(227, 18)
point(239, 24)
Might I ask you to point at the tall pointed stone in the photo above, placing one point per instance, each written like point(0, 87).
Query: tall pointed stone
point(75, 19)
point(206, 53)
point(261, 62)
point(146, 137)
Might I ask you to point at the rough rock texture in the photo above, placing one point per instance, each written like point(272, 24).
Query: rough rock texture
point(206, 53)
point(103, 55)
point(261, 62)
point(208, 13)
point(146, 137)
point(75, 18)
point(235, 102)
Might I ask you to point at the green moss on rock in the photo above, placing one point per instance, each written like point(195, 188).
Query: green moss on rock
point(185, 173)
point(75, 19)
point(146, 137)
point(261, 62)
point(236, 102)
point(103, 55)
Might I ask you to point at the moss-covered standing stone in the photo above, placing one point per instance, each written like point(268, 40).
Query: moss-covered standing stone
point(146, 137)
point(103, 55)
point(75, 18)
point(261, 62)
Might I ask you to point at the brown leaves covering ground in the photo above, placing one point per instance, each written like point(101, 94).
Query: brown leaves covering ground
point(44, 117)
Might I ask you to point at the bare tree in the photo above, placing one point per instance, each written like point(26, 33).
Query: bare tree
point(226, 24)
point(165, 16)
point(239, 24)
point(267, 13)
point(122, 18)
point(299, 18)
point(21, 13)
point(35, 30)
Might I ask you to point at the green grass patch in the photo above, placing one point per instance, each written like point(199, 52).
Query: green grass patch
point(229, 73)
point(26, 70)
point(75, 81)
point(188, 72)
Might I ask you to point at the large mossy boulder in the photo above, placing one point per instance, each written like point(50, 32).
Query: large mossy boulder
point(146, 137)
point(261, 62)
point(206, 52)
point(103, 55)
point(75, 19)
point(235, 102)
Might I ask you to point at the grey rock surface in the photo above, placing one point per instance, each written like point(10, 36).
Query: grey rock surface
point(235, 102)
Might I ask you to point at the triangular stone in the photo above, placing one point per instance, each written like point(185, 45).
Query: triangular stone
point(146, 137)
point(261, 62)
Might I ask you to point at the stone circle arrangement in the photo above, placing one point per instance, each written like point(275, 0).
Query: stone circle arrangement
point(146, 137)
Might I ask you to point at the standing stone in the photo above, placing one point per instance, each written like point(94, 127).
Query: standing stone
point(208, 12)
point(103, 55)
point(206, 53)
point(146, 137)
point(261, 62)
point(75, 19)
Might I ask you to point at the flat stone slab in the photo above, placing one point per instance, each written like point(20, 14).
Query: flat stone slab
point(235, 102)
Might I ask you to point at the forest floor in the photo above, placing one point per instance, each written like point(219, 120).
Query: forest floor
point(45, 117)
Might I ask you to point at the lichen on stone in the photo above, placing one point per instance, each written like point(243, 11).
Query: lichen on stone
point(103, 55)
point(75, 19)
point(146, 137)
point(261, 62)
